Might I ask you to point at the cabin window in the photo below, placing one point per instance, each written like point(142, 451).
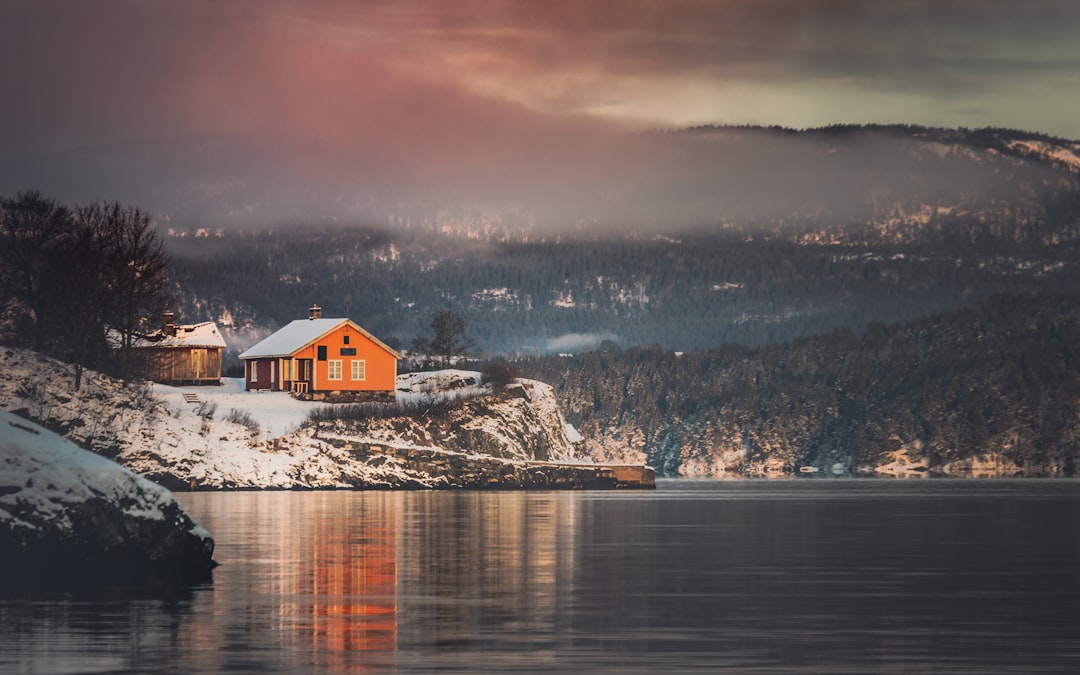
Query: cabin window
point(253, 366)
point(333, 370)
point(322, 352)
point(345, 339)
point(359, 370)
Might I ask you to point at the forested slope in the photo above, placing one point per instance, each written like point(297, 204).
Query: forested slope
point(992, 390)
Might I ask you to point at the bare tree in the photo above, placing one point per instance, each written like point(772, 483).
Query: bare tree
point(80, 296)
point(31, 228)
point(136, 272)
point(77, 273)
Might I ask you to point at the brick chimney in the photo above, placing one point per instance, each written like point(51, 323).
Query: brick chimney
point(169, 329)
point(315, 312)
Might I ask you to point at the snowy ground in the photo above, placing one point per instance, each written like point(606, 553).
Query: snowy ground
point(278, 413)
point(46, 478)
point(169, 434)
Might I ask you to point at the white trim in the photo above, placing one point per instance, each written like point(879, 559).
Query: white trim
point(353, 367)
point(330, 367)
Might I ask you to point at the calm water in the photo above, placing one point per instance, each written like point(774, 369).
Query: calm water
point(750, 577)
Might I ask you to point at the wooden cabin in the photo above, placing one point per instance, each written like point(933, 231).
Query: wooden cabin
point(182, 355)
point(322, 359)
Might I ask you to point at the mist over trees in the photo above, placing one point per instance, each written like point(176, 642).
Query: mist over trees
point(564, 296)
point(67, 276)
point(748, 235)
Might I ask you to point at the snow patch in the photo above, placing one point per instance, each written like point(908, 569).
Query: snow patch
point(1067, 156)
point(156, 432)
point(44, 473)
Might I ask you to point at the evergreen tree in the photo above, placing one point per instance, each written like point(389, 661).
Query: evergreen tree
point(450, 339)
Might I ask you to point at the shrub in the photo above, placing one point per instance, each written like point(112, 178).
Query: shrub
point(433, 408)
point(498, 374)
point(206, 410)
point(244, 419)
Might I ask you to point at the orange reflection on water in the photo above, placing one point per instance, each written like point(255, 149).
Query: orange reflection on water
point(342, 588)
point(354, 590)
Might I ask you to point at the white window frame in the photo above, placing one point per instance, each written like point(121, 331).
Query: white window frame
point(332, 366)
point(254, 368)
point(358, 370)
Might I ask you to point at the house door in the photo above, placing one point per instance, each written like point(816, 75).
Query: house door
point(288, 373)
point(198, 363)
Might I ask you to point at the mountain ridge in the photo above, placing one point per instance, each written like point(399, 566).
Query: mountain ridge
point(858, 224)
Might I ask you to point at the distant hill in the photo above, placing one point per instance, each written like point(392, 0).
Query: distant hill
point(720, 234)
point(674, 182)
point(992, 390)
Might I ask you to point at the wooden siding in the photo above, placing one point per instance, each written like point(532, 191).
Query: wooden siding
point(262, 367)
point(184, 365)
point(380, 366)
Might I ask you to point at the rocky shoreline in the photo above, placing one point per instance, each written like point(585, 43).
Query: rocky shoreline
point(464, 435)
point(66, 513)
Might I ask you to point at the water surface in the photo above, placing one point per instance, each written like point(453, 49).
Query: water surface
point(946, 576)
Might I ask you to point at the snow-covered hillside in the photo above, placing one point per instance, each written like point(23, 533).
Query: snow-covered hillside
point(229, 438)
point(61, 503)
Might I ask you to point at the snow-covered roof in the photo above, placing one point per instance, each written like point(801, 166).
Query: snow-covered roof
point(300, 333)
point(205, 334)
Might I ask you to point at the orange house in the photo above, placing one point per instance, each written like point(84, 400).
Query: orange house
point(322, 359)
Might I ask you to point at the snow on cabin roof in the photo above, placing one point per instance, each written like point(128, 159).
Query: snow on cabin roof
point(205, 334)
point(300, 333)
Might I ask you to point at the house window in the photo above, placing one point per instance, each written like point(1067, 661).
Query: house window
point(253, 366)
point(359, 370)
point(333, 369)
point(346, 339)
point(322, 352)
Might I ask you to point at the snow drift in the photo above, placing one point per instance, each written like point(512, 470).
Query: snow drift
point(65, 510)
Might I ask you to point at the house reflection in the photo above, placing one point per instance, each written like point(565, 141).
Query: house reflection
point(340, 595)
point(355, 581)
point(354, 585)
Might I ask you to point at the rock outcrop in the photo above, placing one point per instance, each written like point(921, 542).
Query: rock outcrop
point(447, 430)
point(67, 512)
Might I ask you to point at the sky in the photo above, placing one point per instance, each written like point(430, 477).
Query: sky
point(219, 105)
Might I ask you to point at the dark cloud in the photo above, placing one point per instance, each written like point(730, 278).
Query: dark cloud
point(289, 103)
